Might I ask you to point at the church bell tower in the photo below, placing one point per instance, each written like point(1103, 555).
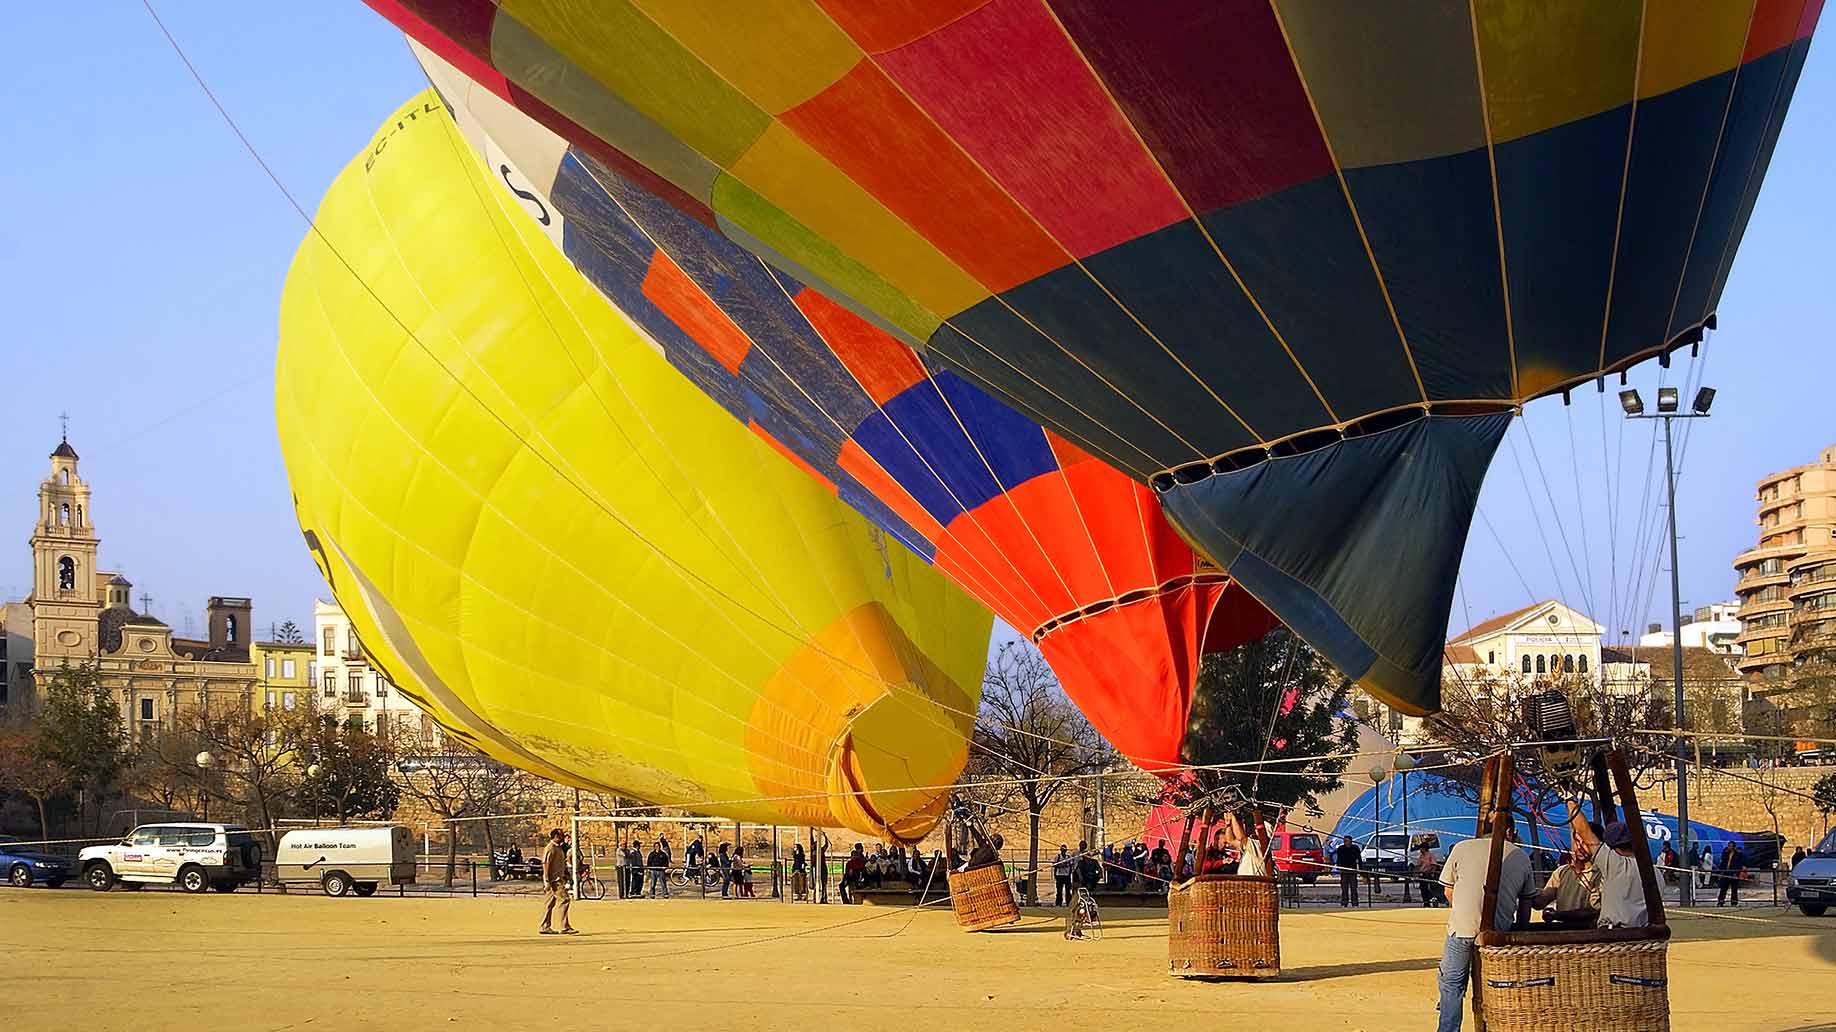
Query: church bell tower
point(66, 593)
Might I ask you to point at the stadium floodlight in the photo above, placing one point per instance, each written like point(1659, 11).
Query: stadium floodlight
point(1631, 402)
point(1667, 399)
point(1704, 398)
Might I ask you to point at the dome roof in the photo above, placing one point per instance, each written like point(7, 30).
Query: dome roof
point(63, 451)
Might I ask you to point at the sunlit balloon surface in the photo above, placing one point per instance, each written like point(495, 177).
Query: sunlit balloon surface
point(1062, 546)
point(572, 557)
point(1292, 263)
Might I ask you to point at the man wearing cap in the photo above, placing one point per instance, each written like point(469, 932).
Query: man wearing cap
point(1464, 876)
point(1622, 888)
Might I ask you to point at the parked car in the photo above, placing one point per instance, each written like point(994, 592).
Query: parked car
point(24, 866)
point(346, 860)
point(1813, 880)
point(1298, 853)
point(1387, 853)
point(195, 857)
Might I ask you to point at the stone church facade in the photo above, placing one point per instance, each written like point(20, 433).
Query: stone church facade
point(83, 614)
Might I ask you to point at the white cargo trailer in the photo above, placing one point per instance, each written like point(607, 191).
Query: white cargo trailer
point(346, 860)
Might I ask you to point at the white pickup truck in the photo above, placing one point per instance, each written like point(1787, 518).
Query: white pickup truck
point(195, 857)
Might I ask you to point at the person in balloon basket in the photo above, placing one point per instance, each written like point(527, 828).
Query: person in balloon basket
point(1571, 896)
point(554, 878)
point(1622, 887)
point(1347, 859)
point(1463, 877)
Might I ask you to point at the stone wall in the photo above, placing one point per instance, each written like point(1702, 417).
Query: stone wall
point(1739, 798)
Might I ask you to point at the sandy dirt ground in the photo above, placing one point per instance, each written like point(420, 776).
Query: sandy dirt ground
point(156, 960)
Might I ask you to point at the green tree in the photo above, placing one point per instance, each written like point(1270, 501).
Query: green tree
point(349, 775)
point(1823, 796)
point(79, 730)
point(1263, 704)
point(25, 769)
point(289, 633)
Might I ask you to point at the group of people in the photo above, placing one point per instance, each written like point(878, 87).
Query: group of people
point(1725, 871)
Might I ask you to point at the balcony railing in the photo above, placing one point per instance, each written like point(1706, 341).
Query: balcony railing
point(356, 699)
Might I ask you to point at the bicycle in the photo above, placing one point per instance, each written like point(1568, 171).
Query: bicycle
point(586, 886)
point(1082, 919)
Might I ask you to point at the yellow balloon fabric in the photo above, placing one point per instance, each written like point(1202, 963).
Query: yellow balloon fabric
point(572, 558)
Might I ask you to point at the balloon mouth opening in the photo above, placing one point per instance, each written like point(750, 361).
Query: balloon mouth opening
point(1314, 440)
point(874, 788)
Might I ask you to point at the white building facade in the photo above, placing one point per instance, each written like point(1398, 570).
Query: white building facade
point(352, 689)
point(1713, 627)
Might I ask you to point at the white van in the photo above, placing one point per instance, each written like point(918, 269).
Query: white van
point(346, 860)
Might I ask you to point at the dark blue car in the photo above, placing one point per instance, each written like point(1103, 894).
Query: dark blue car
point(23, 866)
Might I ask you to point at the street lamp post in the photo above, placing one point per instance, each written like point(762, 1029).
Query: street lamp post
point(204, 760)
point(1402, 763)
point(1634, 407)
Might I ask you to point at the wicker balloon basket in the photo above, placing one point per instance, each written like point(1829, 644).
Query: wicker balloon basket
point(1224, 926)
point(1575, 987)
point(982, 898)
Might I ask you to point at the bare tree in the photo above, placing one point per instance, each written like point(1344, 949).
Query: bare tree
point(454, 782)
point(257, 757)
point(1029, 742)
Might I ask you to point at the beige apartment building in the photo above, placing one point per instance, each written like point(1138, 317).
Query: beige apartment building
point(1787, 585)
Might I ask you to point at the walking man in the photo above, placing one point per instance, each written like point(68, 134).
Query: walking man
point(554, 876)
point(1733, 869)
point(1347, 858)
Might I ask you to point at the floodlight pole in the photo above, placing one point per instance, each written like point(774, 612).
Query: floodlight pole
point(1686, 895)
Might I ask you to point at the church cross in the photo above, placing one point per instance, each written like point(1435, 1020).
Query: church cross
point(63, 419)
point(146, 604)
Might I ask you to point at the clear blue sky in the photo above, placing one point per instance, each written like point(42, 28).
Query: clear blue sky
point(142, 255)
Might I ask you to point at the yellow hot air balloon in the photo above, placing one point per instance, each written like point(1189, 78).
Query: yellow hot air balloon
point(575, 560)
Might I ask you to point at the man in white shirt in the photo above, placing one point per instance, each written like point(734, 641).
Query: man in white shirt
point(1622, 887)
point(1464, 876)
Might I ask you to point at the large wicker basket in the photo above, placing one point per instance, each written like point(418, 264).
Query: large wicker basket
point(982, 898)
point(1224, 926)
point(1575, 987)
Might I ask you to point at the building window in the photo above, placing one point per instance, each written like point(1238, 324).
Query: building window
point(268, 703)
point(1568, 664)
point(382, 687)
point(66, 573)
point(1540, 668)
point(63, 515)
point(289, 669)
point(355, 682)
point(268, 665)
point(229, 628)
point(329, 642)
point(288, 701)
point(331, 684)
point(146, 708)
point(1582, 663)
point(1491, 658)
point(1526, 664)
point(79, 516)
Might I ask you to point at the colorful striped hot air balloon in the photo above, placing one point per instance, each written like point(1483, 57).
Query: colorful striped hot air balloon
point(1060, 545)
point(1293, 263)
point(571, 557)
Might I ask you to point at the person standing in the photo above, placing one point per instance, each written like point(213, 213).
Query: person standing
point(1463, 875)
point(1733, 869)
point(1061, 876)
point(723, 865)
point(1347, 859)
point(659, 878)
point(554, 878)
point(852, 872)
point(799, 876)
